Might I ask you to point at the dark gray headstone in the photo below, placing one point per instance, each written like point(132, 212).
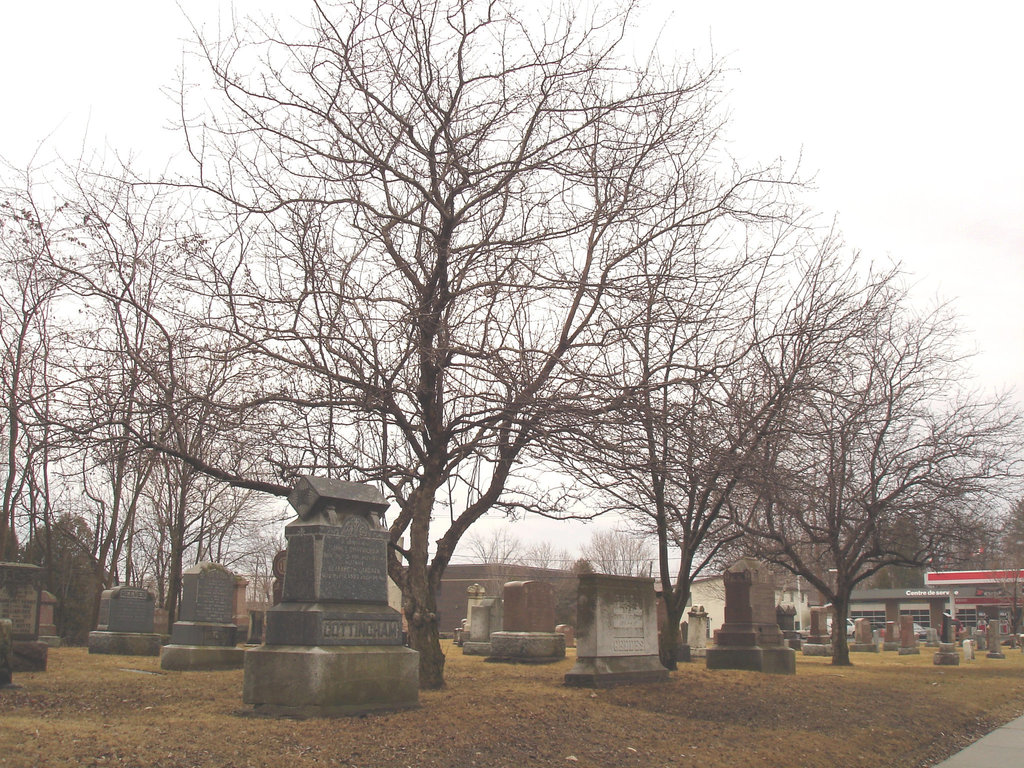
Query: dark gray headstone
point(336, 582)
point(126, 609)
point(208, 594)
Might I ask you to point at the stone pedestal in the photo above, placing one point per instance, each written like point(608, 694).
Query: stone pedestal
point(333, 645)
point(617, 640)
point(891, 637)
point(527, 647)
point(863, 638)
point(750, 637)
point(946, 656)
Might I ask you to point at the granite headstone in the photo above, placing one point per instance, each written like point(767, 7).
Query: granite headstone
point(333, 645)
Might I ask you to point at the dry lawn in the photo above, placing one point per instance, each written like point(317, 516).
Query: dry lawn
point(887, 710)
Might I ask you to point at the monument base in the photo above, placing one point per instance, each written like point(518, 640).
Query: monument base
point(330, 681)
point(51, 640)
point(947, 656)
point(863, 648)
point(197, 657)
point(773, 660)
point(995, 655)
point(126, 643)
point(527, 647)
point(890, 645)
point(29, 656)
point(469, 648)
point(816, 649)
point(603, 671)
point(908, 651)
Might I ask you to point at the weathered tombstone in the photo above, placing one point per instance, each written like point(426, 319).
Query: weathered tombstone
point(891, 638)
point(485, 618)
point(21, 586)
point(333, 645)
point(528, 629)
point(6, 652)
point(617, 640)
point(240, 617)
point(785, 616)
point(256, 621)
point(47, 627)
point(750, 638)
point(697, 632)
point(568, 633)
point(126, 624)
point(932, 640)
point(819, 641)
point(968, 646)
point(205, 637)
point(863, 638)
point(908, 640)
point(995, 649)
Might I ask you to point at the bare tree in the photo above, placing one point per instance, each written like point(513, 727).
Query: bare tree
point(882, 456)
point(431, 202)
point(619, 552)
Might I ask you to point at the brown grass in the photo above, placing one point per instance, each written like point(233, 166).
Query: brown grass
point(887, 710)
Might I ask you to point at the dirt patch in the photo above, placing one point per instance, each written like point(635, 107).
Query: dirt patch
point(887, 710)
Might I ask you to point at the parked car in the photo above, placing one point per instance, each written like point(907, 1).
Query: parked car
point(921, 633)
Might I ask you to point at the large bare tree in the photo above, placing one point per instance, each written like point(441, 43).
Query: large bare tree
point(882, 456)
point(431, 202)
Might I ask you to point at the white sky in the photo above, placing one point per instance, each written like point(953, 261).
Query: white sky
point(909, 114)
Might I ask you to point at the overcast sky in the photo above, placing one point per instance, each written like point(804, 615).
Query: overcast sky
point(908, 114)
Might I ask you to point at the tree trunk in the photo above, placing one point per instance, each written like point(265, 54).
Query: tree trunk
point(840, 646)
point(669, 638)
point(421, 614)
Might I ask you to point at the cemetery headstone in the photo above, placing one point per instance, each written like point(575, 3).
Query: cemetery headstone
point(968, 646)
point(932, 640)
point(568, 633)
point(256, 621)
point(750, 637)
point(994, 642)
point(21, 586)
point(863, 638)
point(697, 631)
point(47, 627)
point(241, 606)
point(333, 645)
point(205, 637)
point(891, 638)
point(617, 639)
point(908, 640)
point(819, 641)
point(785, 616)
point(528, 629)
point(6, 652)
point(126, 624)
point(485, 618)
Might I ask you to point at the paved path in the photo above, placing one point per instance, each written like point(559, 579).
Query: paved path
point(1003, 748)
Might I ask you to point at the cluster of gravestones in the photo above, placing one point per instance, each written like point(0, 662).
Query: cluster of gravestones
point(331, 644)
